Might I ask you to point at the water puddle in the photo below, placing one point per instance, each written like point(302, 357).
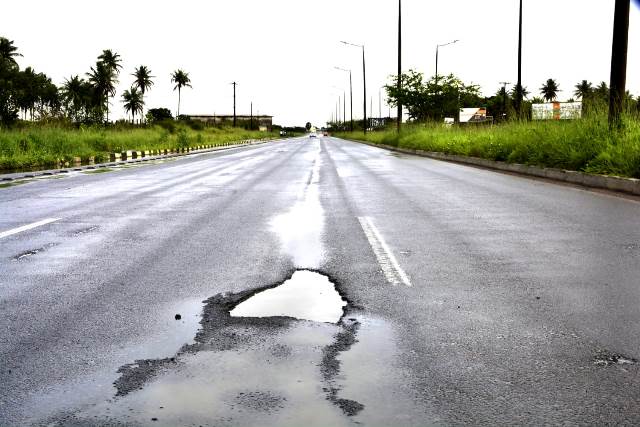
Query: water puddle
point(94, 171)
point(307, 296)
point(12, 184)
point(301, 228)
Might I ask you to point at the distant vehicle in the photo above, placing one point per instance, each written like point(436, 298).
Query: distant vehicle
point(325, 133)
point(313, 135)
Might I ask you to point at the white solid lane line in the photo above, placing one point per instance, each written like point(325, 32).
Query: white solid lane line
point(392, 270)
point(27, 227)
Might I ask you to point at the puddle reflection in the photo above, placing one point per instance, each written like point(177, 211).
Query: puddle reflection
point(307, 295)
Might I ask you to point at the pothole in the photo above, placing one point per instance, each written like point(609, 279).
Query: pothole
point(609, 359)
point(306, 296)
point(32, 252)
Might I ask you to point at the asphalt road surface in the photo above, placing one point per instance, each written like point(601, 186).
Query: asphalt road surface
point(473, 297)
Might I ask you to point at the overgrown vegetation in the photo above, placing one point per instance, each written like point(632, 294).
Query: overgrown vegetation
point(45, 145)
point(581, 145)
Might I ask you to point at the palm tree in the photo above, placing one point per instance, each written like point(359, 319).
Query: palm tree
point(73, 94)
point(8, 51)
point(142, 80)
point(181, 79)
point(102, 79)
point(583, 90)
point(111, 61)
point(549, 90)
point(133, 102)
point(514, 92)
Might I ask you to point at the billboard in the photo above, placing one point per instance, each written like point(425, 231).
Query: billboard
point(473, 115)
point(556, 111)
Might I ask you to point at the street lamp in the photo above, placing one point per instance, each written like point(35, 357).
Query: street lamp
point(364, 83)
point(350, 93)
point(437, 48)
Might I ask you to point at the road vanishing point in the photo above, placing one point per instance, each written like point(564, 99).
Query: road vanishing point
point(316, 282)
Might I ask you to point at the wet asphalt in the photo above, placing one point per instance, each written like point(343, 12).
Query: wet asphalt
point(522, 306)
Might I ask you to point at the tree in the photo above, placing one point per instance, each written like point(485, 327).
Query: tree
point(8, 73)
point(159, 114)
point(142, 79)
point(8, 51)
point(74, 97)
point(103, 81)
point(133, 102)
point(111, 61)
point(181, 79)
point(308, 126)
point(583, 90)
point(549, 90)
point(431, 100)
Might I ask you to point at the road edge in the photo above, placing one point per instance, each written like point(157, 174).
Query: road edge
point(140, 156)
point(602, 182)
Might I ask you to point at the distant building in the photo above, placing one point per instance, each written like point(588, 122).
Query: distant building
point(261, 121)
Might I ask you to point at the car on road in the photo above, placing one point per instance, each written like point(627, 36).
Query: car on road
point(313, 135)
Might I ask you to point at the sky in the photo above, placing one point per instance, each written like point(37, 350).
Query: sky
point(282, 53)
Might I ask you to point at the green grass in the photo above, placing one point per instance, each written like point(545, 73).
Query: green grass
point(45, 146)
point(582, 145)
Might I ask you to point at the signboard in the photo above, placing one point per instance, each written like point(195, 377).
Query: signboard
point(473, 115)
point(556, 111)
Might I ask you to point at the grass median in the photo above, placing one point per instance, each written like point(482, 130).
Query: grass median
point(46, 146)
point(585, 145)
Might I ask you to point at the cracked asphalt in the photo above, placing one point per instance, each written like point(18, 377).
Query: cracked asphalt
point(519, 307)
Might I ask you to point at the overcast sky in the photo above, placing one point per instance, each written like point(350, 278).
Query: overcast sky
point(283, 52)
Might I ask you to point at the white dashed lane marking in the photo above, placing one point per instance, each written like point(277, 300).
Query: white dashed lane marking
point(392, 270)
point(27, 227)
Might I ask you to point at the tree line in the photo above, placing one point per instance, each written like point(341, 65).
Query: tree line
point(443, 96)
point(30, 95)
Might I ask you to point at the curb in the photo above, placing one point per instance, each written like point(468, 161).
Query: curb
point(603, 182)
point(132, 156)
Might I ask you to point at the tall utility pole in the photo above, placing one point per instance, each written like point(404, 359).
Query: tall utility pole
point(399, 82)
point(364, 84)
point(350, 93)
point(519, 84)
point(344, 107)
point(234, 103)
point(251, 115)
point(504, 98)
point(618, 61)
point(380, 103)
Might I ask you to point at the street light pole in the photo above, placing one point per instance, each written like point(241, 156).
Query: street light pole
point(437, 48)
point(399, 82)
point(234, 103)
point(364, 81)
point(619, 47)
point(519, 84)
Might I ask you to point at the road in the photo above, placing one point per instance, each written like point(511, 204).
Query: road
point(473, 297)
